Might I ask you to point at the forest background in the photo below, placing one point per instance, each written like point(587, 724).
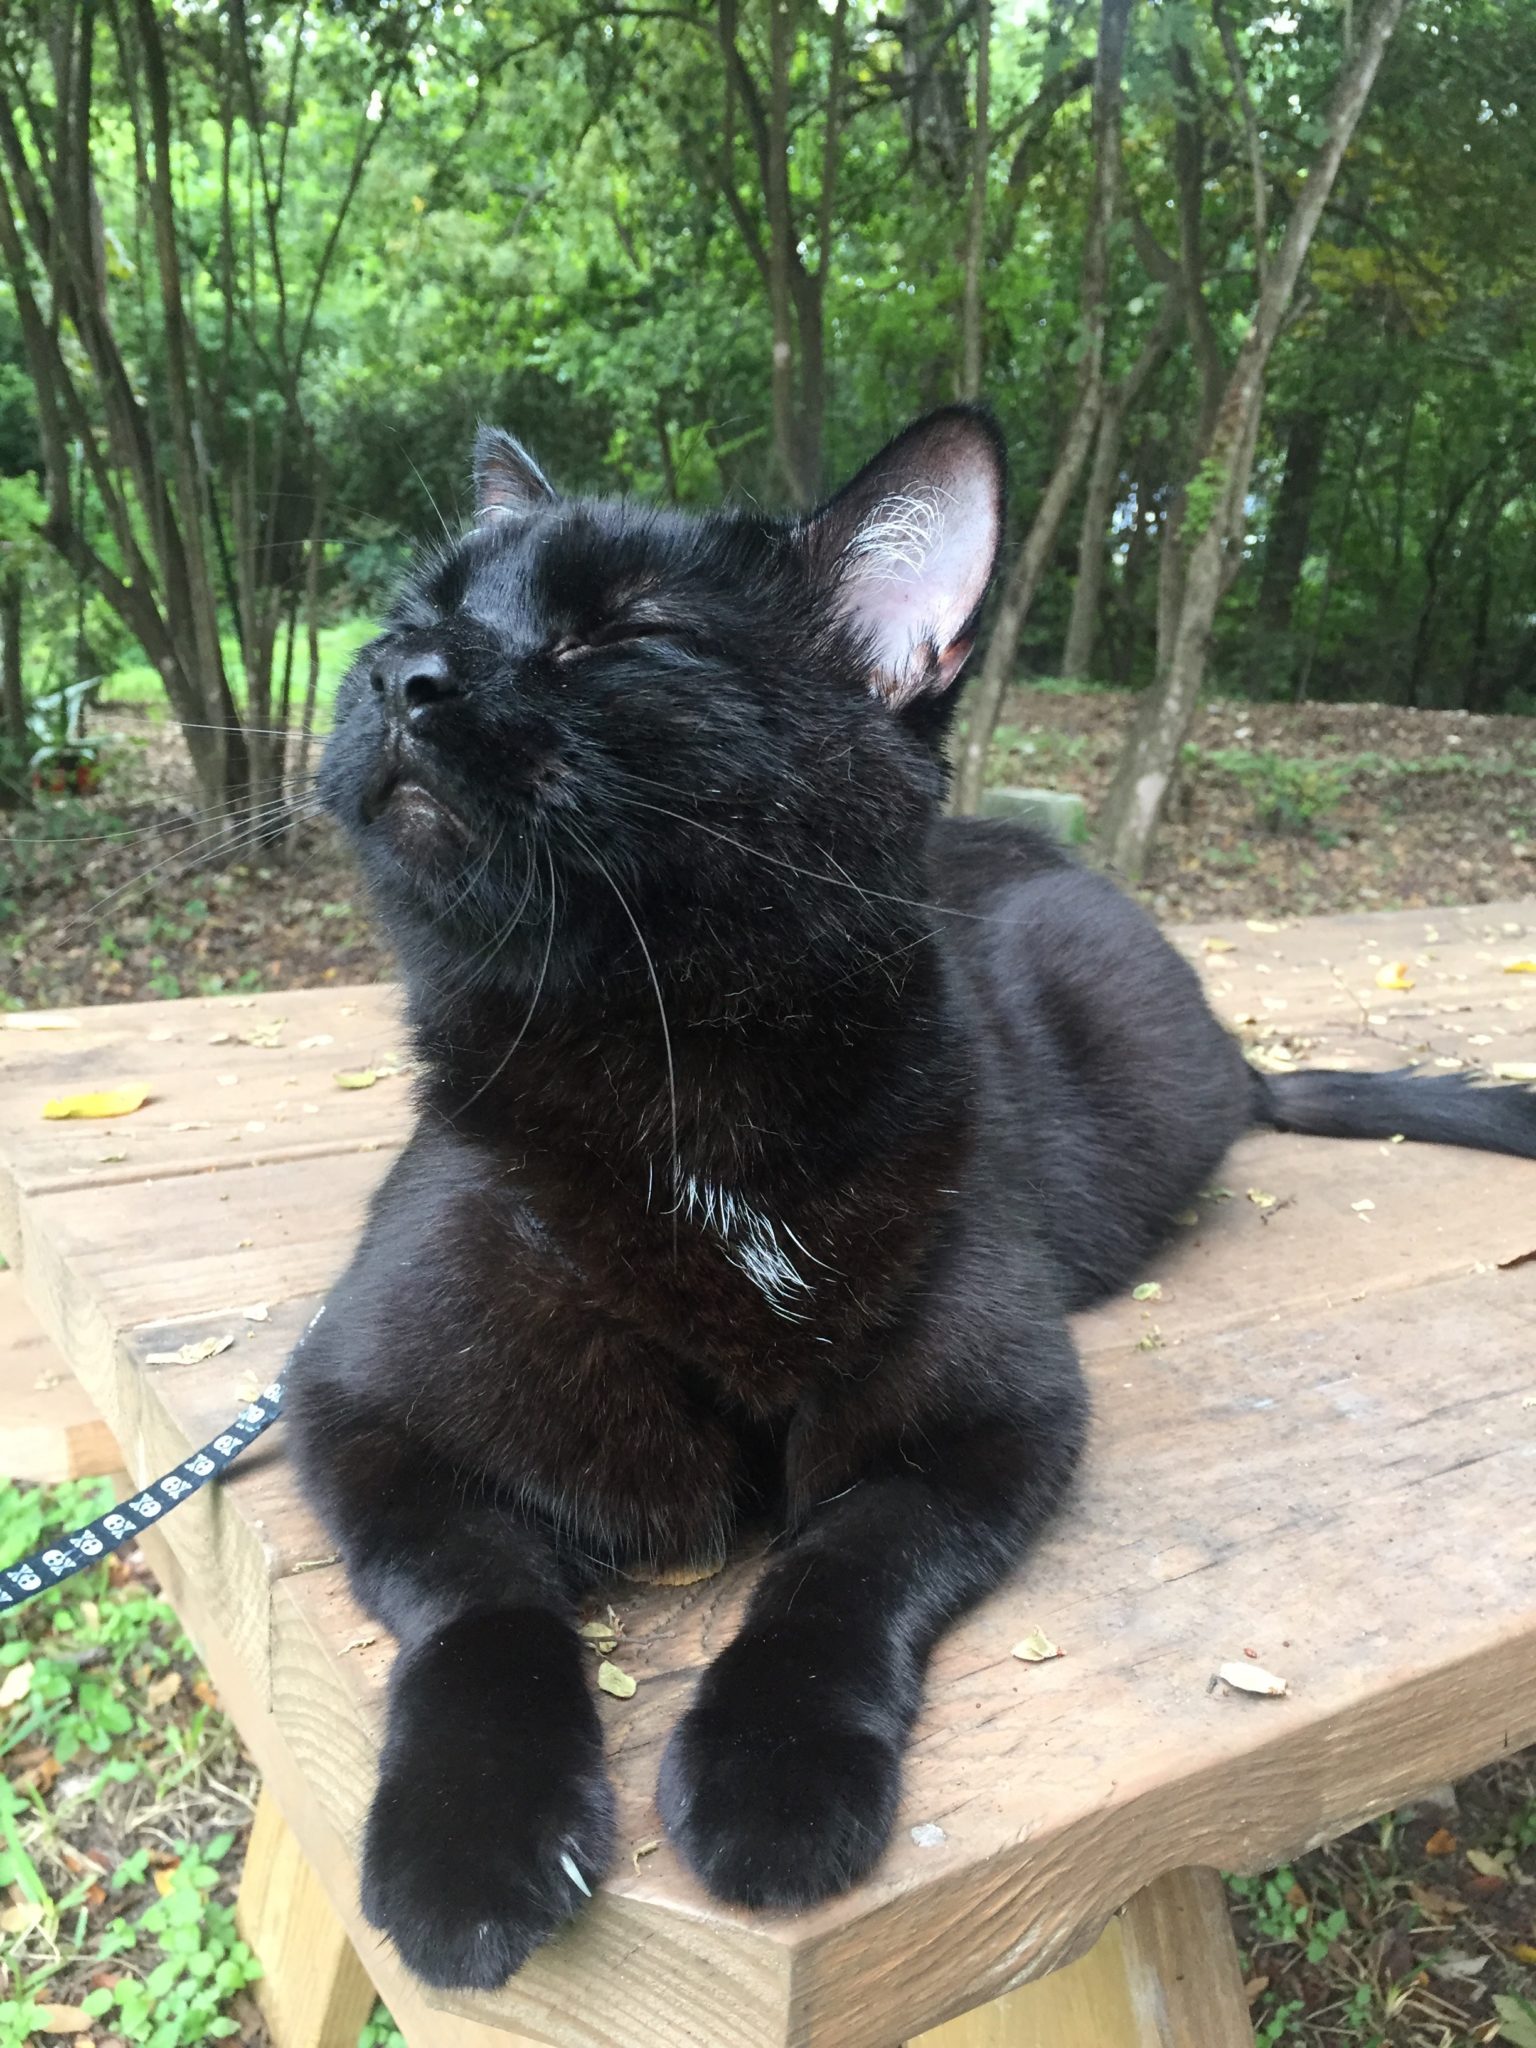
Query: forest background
point(1250, 289)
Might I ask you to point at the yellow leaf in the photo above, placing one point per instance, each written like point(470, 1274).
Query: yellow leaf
point(1514, 1070)
point(363, 1077)
point(22, 1918)
point(1259, 924)
point(17, 1684)
point(39, 1020)
point(1036, 1648)
point(1149, 1290)
point(1524, 1952)
point(599, 1636)
point(1394, 975)
point(1220, 945)
point(615, 1681)
point(1520, 966)
point(683, 1574)
point(1260, 1200)
point(104, 1102)
point(60, 2019)
point(190, 1354)
point(165, 1880)
point(164, 1690)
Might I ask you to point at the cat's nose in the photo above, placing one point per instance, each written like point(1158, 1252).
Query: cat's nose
point(410, 680)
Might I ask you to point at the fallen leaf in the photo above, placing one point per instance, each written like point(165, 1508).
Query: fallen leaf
point(682, 1574)
point(220, 1037)
point(1441, 1843)
point(191, 1354)
point(1220, 945)
point(362, 1077)
point(1252, 1678)
point(165, 1879)
point(1260, 1200)
point(1513, 1070)
point(1438, 1905)
point(20, 1918)
point(16, 1684)
point(1488, 1866)
point(39, 1020)
point(599, 1636)
point(1035, 1648)
point(359, 1643)
point(1524, 1952)
point(612, 1680)
point(1362, 1206)
point(258, 1312)
point(1461, 1966)
point(164, 1690)
point(314, 1042)
point(101, 1102)
point(268, 1036)
point(1394, 975)
point(60, 2019)
point(1188, 1218)
point(1255, 1988)
point(1258, 924)
point(646, 1848)
point(1520, 966)
point(1517, 2026)
point(1149, 1290)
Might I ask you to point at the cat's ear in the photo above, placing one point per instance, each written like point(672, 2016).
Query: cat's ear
point(909, 547)
point(509, 484)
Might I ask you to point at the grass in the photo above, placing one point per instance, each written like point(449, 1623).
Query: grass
point(138, 684)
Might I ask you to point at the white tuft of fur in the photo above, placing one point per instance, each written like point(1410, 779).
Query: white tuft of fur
point(902, 531)
point(751, 1243)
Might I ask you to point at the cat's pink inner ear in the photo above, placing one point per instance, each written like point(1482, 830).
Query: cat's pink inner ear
point(509, 484)
point(921, 527)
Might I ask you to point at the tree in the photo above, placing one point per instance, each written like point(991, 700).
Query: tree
point(1203, 550)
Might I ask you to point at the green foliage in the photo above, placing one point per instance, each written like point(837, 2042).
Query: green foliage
point(380, 2031)
point(1289, 795)
point(90, 1651)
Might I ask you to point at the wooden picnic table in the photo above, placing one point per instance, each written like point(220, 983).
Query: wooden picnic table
point(1316, 1442)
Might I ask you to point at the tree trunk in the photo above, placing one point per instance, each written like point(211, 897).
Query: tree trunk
point(986, 696)
point(13, 702)
point(1151, 758)
point(1285, 549)
point(976, 221)
point(1099, 500)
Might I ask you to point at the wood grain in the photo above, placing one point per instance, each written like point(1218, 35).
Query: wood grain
point(314, 1993)
point(1163, 1974)
point(49, 1427)
point(1315, 1445)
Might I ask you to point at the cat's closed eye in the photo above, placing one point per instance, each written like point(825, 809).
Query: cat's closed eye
point(614, 633)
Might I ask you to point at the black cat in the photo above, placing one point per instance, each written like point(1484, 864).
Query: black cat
point(771, 1125)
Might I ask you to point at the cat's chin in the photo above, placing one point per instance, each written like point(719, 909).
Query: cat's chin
point(419, 825)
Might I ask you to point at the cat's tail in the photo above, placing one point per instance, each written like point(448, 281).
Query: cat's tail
point(1438, 1109)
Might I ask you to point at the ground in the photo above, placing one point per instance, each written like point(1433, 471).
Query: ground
point(126, 1797)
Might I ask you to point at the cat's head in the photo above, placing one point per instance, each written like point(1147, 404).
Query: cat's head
point(589, 715)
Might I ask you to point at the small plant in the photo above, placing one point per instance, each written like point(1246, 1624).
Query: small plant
point(1288, 795)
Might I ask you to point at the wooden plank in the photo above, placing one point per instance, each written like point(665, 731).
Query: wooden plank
point(1163, 1974)
point(1323, 1455)
point(328, 1857)
point(314, 1993)
point(49, 1427)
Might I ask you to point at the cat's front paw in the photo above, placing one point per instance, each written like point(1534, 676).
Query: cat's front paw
point(778, 1812)
point(493, 1819)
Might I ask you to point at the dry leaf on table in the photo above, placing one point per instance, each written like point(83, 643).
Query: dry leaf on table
point(1035, 1648)
point(362, 1077)
point(191, 1354)
point(1252, 1678)
point(1394, 975)
point(100, 1102)
point(612, 1680)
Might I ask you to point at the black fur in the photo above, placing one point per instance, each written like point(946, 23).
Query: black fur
point(769, 1129)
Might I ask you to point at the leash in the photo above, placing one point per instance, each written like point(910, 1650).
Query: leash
point(81, 1548)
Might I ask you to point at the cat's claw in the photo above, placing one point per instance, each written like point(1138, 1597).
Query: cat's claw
point(572, 1870)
